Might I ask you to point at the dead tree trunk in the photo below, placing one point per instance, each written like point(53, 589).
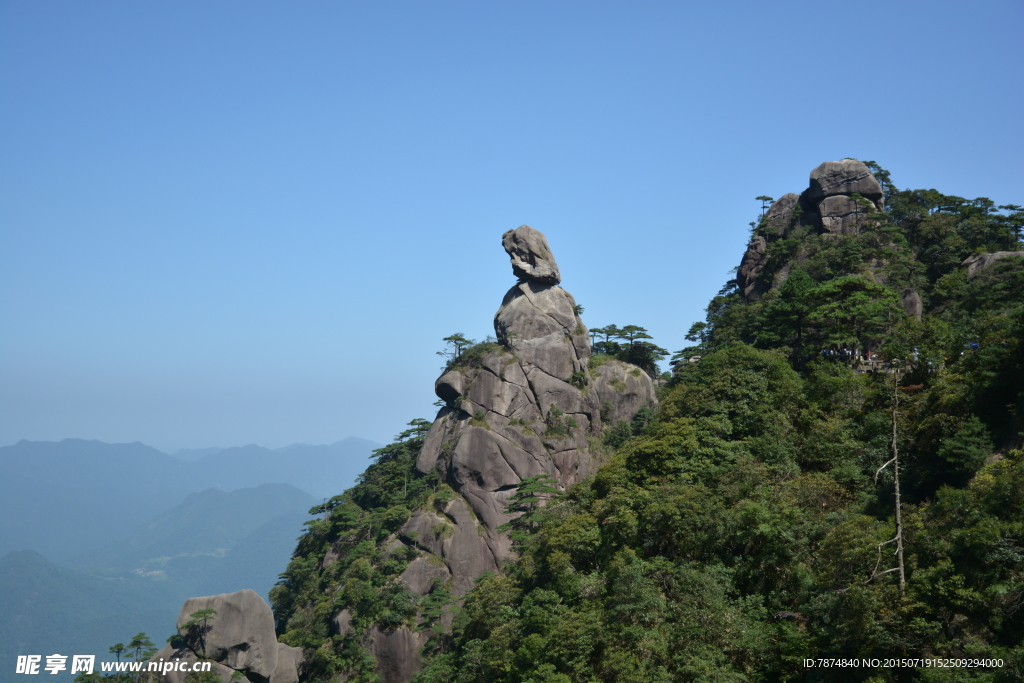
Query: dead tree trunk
point(895, 462)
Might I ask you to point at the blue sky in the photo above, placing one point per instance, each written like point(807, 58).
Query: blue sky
point(250, 222)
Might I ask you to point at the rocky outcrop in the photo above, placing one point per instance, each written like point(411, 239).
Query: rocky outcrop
point(827, 206)
point(397, 652)
point(531, 255)
point(528, 404)
point(749, 272)
point(979, 262)
point(842, 215)
point(846, 177)
point(238, 636)
point(912, 304)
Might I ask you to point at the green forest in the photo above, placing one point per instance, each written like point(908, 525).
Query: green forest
point(826, 478)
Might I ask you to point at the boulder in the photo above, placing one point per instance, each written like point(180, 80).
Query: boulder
point(911, 301)
point(241, 635)
point(531, 255)
point(844, 177)
point(449, 386)
point(842, 215)
point(538, 323)
point(979, 262)
point(424, 529)
point(341, 622)
point(621, 390)
point(484, 460)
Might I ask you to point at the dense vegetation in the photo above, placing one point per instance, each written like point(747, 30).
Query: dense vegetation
point(751, 524)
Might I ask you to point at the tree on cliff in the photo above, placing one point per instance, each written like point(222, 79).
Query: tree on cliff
point(526, 504)
point(454, 345)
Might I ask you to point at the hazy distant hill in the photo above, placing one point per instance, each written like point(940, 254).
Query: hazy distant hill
point(322, 471)
point(204, 525)
point(63, 499)
point(45, 608)
point(110, 489)
point(257, 560)
point(193, 454)
point(212, 542)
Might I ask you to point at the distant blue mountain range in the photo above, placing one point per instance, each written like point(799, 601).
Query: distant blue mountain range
point(65, 499)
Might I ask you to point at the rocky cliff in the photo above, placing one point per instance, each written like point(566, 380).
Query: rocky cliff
point(527, 405)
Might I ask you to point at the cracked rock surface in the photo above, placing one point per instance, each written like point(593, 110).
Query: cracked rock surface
point(528, 406)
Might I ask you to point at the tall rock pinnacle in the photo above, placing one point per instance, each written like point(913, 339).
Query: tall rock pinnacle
point(527, 405)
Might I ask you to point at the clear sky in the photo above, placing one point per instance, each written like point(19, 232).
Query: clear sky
point(250, 222)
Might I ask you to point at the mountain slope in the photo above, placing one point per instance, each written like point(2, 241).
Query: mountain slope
point(835, 471)
point(109, 488)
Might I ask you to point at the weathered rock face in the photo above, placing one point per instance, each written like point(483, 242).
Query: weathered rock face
point(826, 206)
point(531, 255)
point(979, 262)
point(397, 652)
point(240, 637)
point(748, 274)
point(844, 177)
point(527, 405)
point(779, 220)
point(843, 215)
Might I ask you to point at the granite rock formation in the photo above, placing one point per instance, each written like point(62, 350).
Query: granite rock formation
point(979, 262)
point(239, 638)
point(531, 255)
point(827, 206)
point(912, 304)
point(526, 405)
